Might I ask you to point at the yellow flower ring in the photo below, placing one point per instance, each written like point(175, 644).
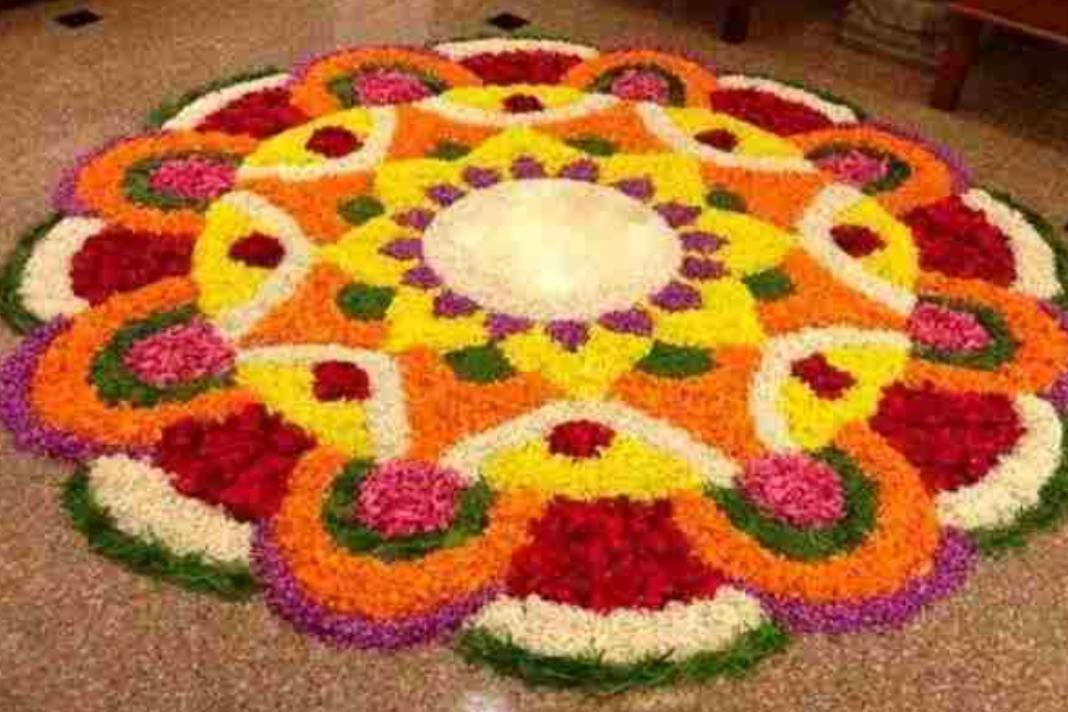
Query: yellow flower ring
point(618, 371)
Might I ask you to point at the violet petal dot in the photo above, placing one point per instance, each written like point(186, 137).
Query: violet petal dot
point(481, 177)
point(678, 214)
point(637, 188)
point(416, 218)
point(1057, 394)
point(677, 296)
point(700, 241)
point(631, 321)
point(501, 326)
point(422, 277)
point(527, 167)
point(569, 334)
point(953, 563)
point(287, 598)
point(444, 194)
point(584, 170)
point(702, 269)
point(453, 305)
point(408, 248)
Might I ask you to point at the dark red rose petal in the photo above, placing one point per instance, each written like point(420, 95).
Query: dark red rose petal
point(580, 439)
point(333, 142)
point(522, 104)
point(953, 439)
point(341, 380)
point(826, 381)
point(857, 240)
point(260, 114)
point(768, 111)
point(610, 554)
point(521, 67)
point(242, 463)
point(720, 139)
point(120, 260)
point(258, 250)
point(959, 242)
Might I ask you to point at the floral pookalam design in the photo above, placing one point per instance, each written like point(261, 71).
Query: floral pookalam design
point(607, 370)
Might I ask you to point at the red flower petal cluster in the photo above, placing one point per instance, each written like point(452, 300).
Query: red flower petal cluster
point(120, 260)
point(825, 380)
point(720, 139)
point(953, 439)
point(261, 114)
point(523, 104)
point(580, 439)
point(521, 67)
point(341, 380)
point(610, 554)
point(857, 240)
point(333, 142)
point(959, 242)
point(241, 463)
point(769, 112)
point(258, 250)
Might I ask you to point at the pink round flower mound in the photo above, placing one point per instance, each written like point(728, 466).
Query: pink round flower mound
point(941, 328)
point(382, 87)
point(179, 354)
point(641, 85)
point(855, 167)
point(193, 178)
point(795, 489)
point(408, 497)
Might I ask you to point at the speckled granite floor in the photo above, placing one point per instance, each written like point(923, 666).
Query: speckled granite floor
point(77, 633)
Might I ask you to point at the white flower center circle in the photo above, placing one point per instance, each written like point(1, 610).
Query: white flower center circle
point(552, 249)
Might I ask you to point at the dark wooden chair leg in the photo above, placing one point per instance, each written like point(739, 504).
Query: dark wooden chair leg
point(956, 62)
point(736, 22)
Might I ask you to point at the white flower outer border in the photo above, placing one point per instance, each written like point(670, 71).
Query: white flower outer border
point(387, 418)
point(814, 235)
point(678, 631)
point(659, 123)
point(375, 148)
point(193, 114)
point(475, 116)
point(143, 503)
point(498, 45)
point(1015, 483)
point(285, 279)
point(837, 113)
point(46, 289)
point(1036, 265)
point(467, 455)
point(779, 354)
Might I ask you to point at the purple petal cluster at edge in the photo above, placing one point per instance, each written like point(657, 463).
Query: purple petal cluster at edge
point(953, 562)
point(285, 598)
point(1058, 392)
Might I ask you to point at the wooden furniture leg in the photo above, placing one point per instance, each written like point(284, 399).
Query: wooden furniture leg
point(736, 22)
point(956, 61)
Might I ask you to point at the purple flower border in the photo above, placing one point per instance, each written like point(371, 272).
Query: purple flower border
point(953, 563)
point(287, 599)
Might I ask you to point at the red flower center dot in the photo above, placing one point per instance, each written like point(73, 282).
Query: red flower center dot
point(826, 381)
point(522, 104)
point(720, 139)
point(341, 380)
point(582, 439)
point(333, 142)
point(857, 240)
point(258, 250)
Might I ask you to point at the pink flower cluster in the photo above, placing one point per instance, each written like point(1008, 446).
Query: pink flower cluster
point(795, 489)
point(193, 178)
point(641, 85)
point(939, 327)
point(378, 88)
point(179, 354)
point(408, 497)
point(855, 167)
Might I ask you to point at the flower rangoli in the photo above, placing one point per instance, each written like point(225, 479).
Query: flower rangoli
point(604, 368)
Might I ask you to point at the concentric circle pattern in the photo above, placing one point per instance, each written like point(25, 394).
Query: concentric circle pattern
point(608, 370)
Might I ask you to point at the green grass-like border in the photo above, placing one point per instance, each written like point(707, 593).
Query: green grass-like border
point(170, 108)
point(12, 310)
point(591, 674)
point(149, 558)
point(1002, 349)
